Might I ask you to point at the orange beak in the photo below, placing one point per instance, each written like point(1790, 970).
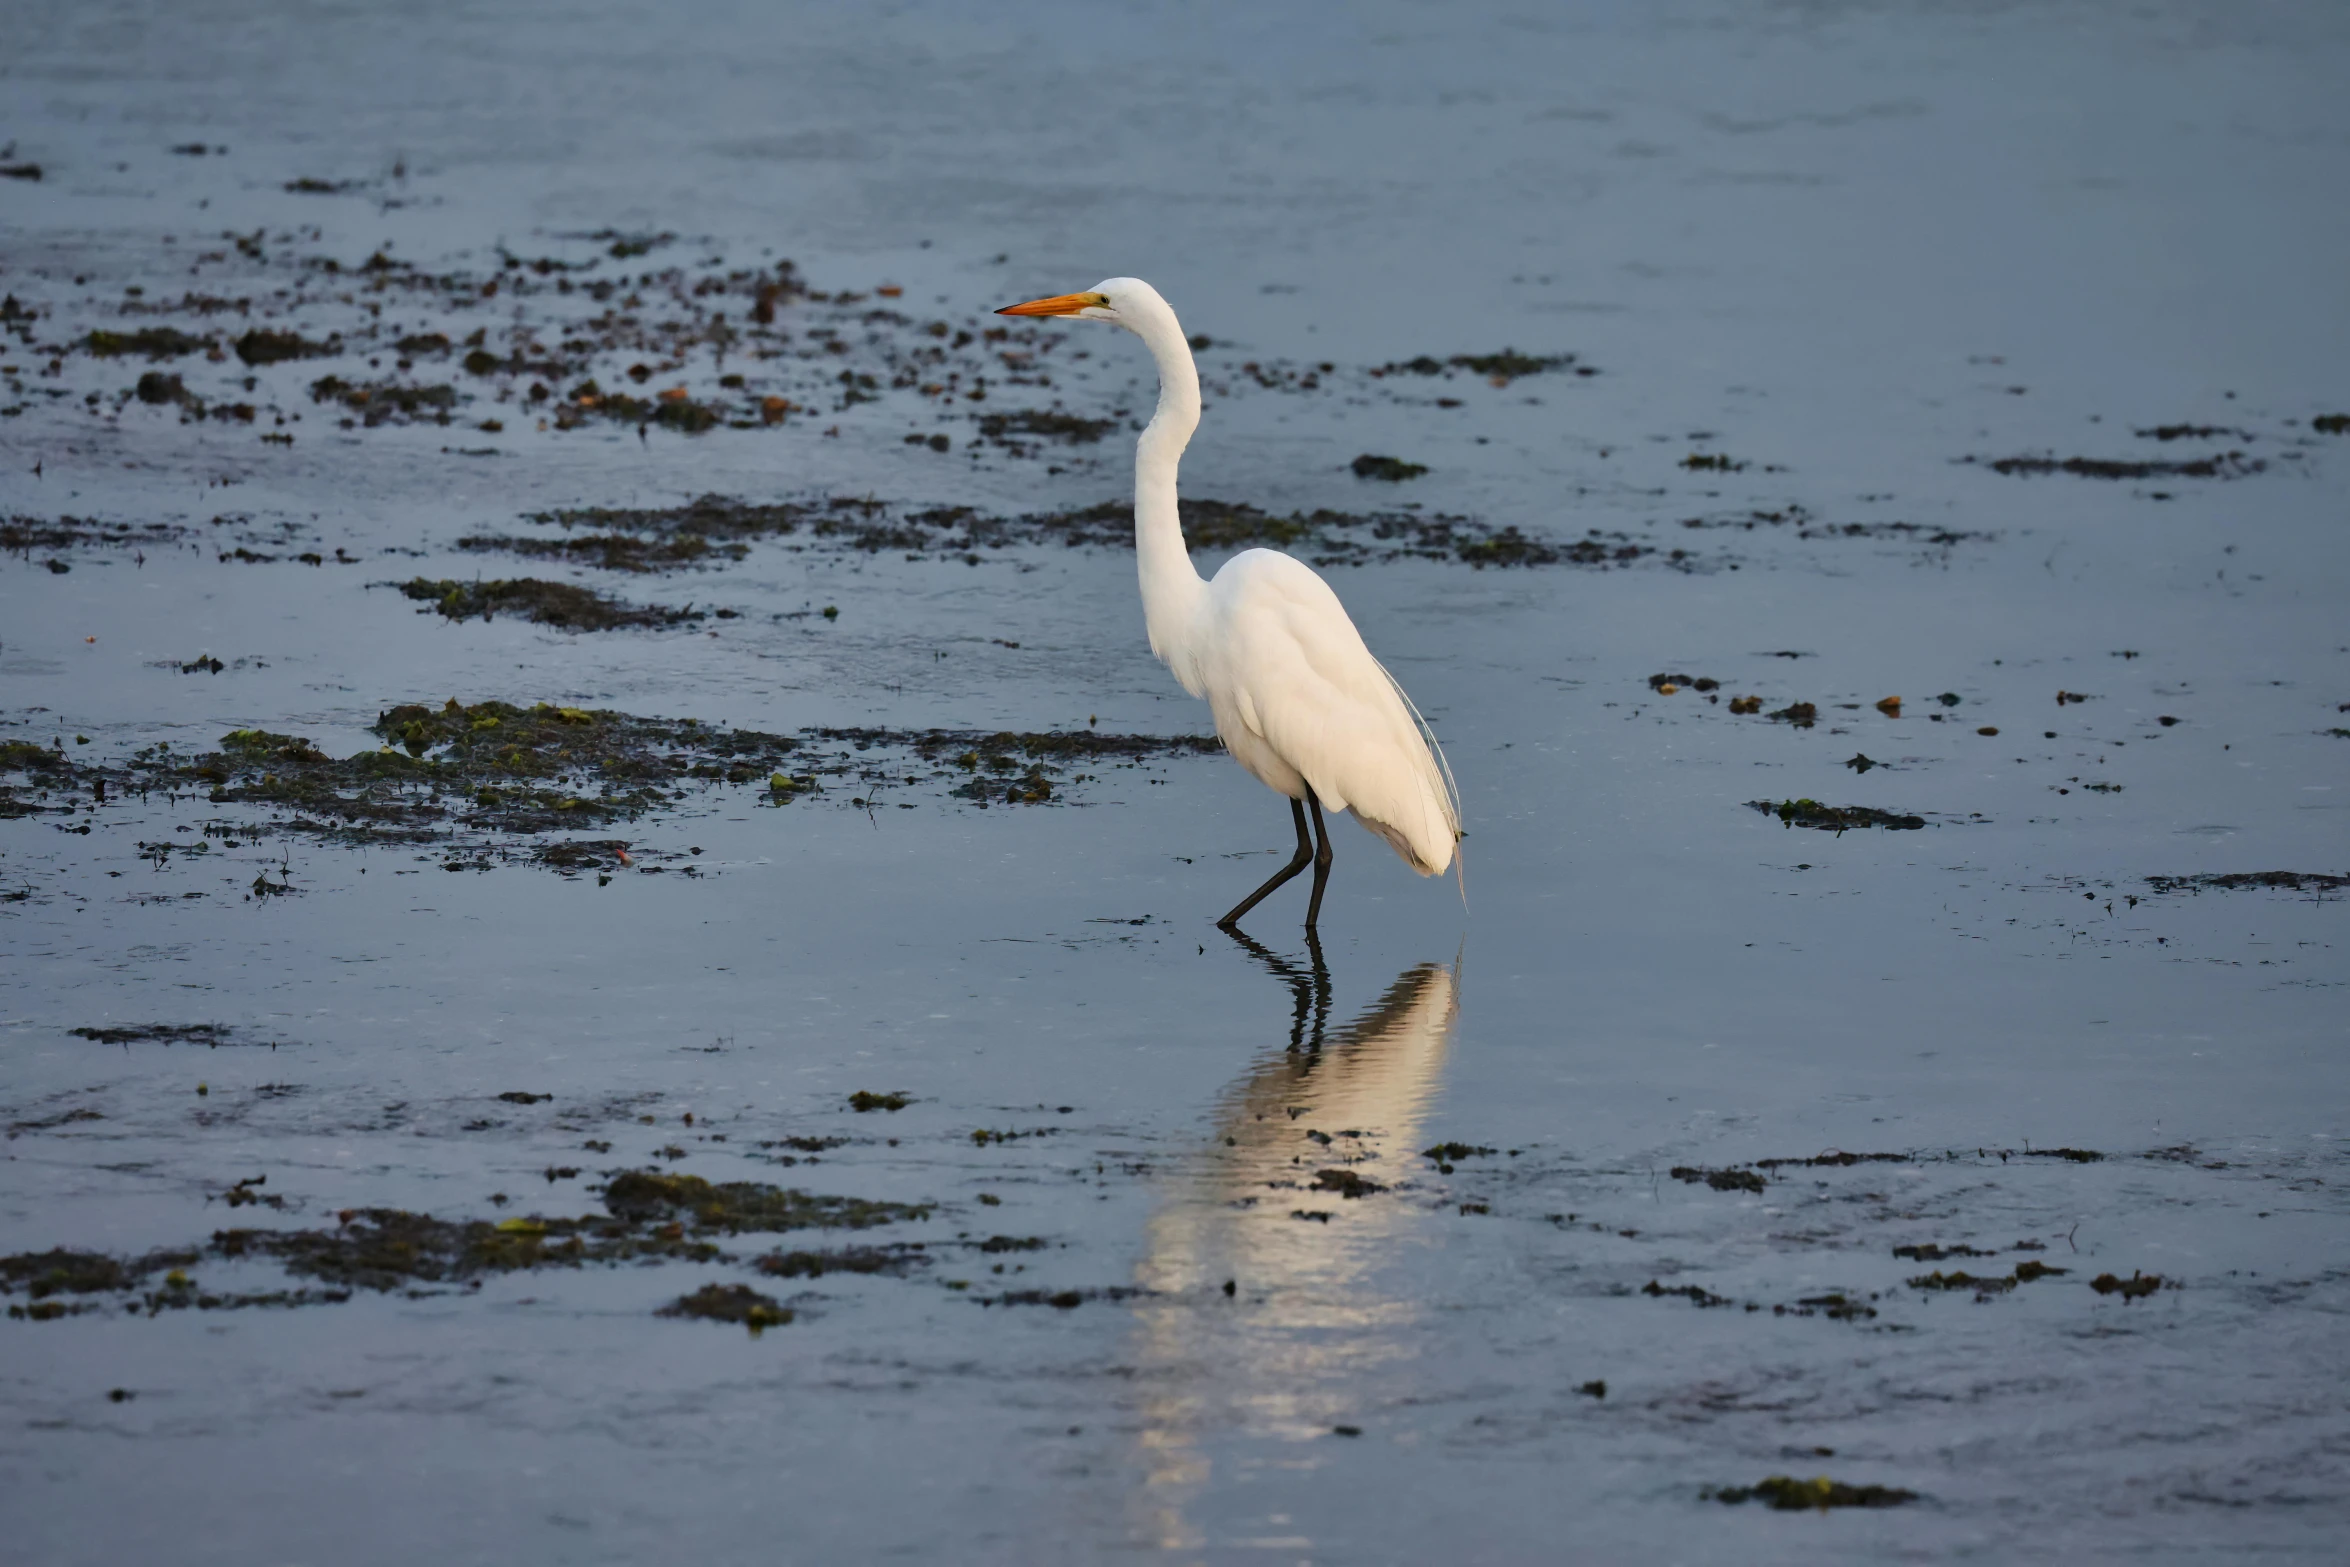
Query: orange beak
point(1058, 305)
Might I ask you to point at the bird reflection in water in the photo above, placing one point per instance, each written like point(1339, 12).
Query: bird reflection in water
point(1293, 1208)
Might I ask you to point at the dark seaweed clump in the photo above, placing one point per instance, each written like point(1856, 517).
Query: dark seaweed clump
point(564, 604)
point(390, 1248)
point(652, 1217)
point(1719, 1180)
point(385, 402)
point(734, 1207)
point(1045, 424)
point(1059, 1300)
point(263, 347)
point(847, 1259)
point(1696, 1295)
point(1835, 1159)
point(2136, 1287)
point(209, 1034)
point(730, 1303)
point(23, 535)
point(1833, 818)
point(1346, 1183)
point(2220, 465)
point(714, 529)
point(2236, 881)
point(1788, 1495)
point(1807, 524)
point(1392, 470)
point(1986, 1284)
point(151, 342)
point(497, 767)
point(1501, 368)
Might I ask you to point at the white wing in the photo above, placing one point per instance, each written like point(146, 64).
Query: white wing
point(1298, 696)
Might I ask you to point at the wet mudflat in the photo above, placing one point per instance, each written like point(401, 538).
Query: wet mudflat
point(606, 919)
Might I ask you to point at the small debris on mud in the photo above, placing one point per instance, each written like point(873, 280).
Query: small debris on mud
point(863, 1100)
point(1834, 818)
point(730, 1303)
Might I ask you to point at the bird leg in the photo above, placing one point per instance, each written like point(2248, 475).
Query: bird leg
point(1322, 858)
point(1297, 862)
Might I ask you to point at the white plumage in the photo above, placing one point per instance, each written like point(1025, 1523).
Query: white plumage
point(1299, 700)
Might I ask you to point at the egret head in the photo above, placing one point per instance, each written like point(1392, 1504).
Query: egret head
point(1127, 301)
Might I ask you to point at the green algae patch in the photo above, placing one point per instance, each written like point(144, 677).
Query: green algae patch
point(563, 604)
point(730, 1303)
point(1784, 1493)
point(1837, 819)
point(738, 1207)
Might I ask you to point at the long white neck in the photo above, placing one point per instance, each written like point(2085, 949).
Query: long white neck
point(1171, 588)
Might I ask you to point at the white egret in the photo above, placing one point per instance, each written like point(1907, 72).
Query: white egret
point(1299, 701)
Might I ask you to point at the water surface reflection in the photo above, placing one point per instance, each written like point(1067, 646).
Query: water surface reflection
point(1280, 1209)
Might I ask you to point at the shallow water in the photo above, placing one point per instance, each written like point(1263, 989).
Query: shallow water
point(1845, 248)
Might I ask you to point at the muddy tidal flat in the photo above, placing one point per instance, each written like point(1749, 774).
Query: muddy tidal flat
point(606, 943)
